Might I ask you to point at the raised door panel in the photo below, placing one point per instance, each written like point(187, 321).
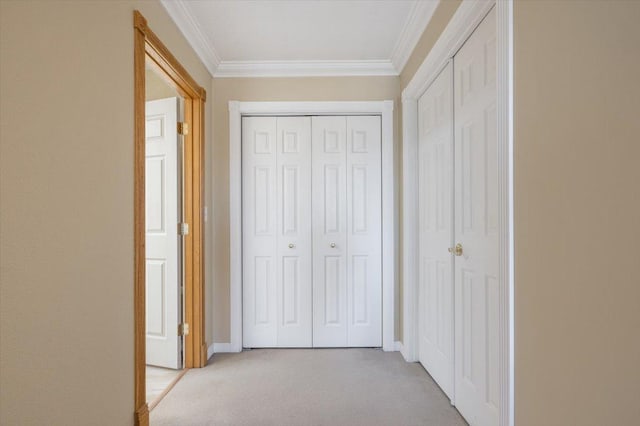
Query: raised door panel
point(293, 210)
point(260, 229)
point(162, 282)
point(329, 204)
point(364, 238)
point(476, 185)
point(435, 198)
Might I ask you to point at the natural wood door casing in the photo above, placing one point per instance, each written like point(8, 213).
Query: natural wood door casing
point(149, 50)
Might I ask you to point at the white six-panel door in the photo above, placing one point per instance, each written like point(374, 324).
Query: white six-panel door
point(259, 236)
point(435, 193)
point(364, 231)
point(312, 231)
point(347, 275)
point(329, 231)
point(276, 154)
point(294, 231)
point(476, 228)
point(161, 206)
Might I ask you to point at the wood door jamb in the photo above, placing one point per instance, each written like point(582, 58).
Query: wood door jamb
point(149, 49)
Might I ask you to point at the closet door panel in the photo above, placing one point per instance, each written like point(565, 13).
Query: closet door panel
point(293, 209)
point(364, 262)
point(329, 212)
point(435, 198)
point(476, 271)
point(259, 236)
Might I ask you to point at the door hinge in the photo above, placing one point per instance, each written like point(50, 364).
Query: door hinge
point(183, 229)
point(183, 128)
point(183, 329)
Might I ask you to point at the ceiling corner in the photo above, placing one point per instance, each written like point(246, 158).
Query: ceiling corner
point(414, 26)
point(189, 27)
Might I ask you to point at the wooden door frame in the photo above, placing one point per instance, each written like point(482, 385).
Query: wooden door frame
point(149, 49)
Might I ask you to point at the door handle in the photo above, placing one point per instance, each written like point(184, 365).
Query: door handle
point(333, 245)
point(291, 245)
point(457, 250)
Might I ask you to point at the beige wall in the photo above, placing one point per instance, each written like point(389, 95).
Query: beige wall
point(268, 89)
point(66, 199)
point(156, 88)
point(66, 194)
point(577, 212)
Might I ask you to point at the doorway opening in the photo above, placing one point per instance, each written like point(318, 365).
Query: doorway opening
point(164, 278)
point(168, 220)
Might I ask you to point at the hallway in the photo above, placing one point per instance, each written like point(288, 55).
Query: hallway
point(307, 387)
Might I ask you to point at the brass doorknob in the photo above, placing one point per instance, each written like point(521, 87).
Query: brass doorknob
point(457, 250)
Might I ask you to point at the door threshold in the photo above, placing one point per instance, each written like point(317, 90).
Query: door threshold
point(156, 401)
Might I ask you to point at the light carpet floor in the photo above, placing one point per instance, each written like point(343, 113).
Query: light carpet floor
point(307, 387)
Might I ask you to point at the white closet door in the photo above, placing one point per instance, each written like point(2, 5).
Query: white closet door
point(435, 193)
point(476, 228)
point(259, 232)
point(294, 232)
point(364, 238)
point(161, 212)
point(329, 145)
point(347, 274)
point(276, 193)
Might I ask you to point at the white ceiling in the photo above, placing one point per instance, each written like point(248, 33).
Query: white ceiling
point(302, 37)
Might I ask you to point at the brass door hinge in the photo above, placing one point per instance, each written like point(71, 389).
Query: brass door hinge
point(183, 128)
point(183, 329)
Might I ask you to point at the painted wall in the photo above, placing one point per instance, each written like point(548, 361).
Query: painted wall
point(577, 212)
point(269, 89)
point(66, 194)
point(156, 88)
point(577, 209)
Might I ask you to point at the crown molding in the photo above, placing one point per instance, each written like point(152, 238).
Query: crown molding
point(188, 25)
point(416, 23)
point(462, 24)
point(412, 30)
point(305, 68)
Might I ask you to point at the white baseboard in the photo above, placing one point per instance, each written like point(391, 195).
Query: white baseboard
point(397, 346)
point(210, 351)
point(407, 356)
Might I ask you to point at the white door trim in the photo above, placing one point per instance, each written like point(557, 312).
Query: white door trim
point(382, 108)
point(465, 20)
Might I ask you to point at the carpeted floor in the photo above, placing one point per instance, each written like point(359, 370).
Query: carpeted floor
point(307, 387)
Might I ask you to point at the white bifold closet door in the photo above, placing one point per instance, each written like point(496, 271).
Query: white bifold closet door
point(477, 390)
point(276, 237)
point(435, 189)
point(311, 201)
point(347, 252)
